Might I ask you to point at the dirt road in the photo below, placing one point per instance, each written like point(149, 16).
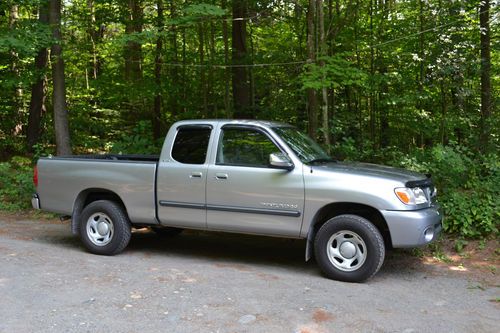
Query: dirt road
point(211, 282)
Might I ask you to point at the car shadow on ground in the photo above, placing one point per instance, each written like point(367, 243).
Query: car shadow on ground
point(236, 251)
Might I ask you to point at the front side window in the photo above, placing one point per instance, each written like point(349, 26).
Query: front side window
point(191, 144)
point(245, 147)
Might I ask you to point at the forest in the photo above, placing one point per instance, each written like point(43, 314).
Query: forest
point(407, 83)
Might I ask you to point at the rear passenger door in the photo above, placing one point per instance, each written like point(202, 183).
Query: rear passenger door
point(181, 178)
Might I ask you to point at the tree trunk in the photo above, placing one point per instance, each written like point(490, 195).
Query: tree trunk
point(174, 70)
point(201, 54)
point(444, 108)
point(133, 51)
point(157, 119)
point(486, 100)
point(18, 91)
point(61, 126)
point(324, 90)
point(384, 135)
point(95, 34)
point(241, 85)
point(38, 89)
point(372, 74)
point(420, 105)
point(184, 90)
point(312, 103)
point(227, 74)
point(212, 54)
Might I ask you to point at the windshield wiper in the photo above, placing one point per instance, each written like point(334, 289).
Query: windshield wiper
point(321, 160)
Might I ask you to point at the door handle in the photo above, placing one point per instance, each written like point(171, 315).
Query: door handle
point(195, 175)
point(221, 176)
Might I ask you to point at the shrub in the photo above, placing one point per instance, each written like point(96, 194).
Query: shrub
point(139, 141)
point(16, 184)
point(468, 187)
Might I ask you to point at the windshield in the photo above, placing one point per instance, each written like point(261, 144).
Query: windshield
point(302, 145)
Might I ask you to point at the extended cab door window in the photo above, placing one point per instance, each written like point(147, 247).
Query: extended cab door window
point(181, 179)
point(191, 144)
point(244, 147)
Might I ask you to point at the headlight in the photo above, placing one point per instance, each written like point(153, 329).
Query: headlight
point(411, 196)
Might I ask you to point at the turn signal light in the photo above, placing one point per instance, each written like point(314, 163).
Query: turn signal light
point(403, 195)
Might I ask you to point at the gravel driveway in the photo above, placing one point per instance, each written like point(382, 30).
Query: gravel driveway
point(212, 282)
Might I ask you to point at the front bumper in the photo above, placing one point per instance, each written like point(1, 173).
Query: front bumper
point(35, 201)
point(414, 228)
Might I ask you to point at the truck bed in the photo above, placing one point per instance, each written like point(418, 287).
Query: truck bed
point(132, 177)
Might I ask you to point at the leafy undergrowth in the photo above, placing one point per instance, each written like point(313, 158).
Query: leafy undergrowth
point(16, 184)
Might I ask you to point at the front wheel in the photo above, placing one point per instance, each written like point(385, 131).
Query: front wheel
point(104, 228)
point(349, 248)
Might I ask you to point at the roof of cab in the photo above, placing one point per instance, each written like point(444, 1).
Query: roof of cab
point(262, 123)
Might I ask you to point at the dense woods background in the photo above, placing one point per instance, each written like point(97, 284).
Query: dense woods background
point(410, 83)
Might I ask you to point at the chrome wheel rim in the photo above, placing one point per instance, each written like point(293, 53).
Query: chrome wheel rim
point(100, 229)
point(346, 250)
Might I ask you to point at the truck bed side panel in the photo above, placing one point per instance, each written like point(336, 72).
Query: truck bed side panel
point(62, 179)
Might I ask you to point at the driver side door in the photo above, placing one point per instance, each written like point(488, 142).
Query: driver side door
point(245, 194)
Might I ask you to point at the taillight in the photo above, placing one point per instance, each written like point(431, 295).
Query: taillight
point(35, 176)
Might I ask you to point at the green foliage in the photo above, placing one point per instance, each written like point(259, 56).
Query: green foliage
point(468, 187)
point(332, 72)
point(139, 141)
point(16, 184)
point(196, 13)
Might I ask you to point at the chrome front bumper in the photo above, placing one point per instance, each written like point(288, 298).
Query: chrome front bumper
point(414, 228)
point(35, 201)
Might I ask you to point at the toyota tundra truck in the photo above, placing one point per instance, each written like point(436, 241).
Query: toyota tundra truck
point(244, 176)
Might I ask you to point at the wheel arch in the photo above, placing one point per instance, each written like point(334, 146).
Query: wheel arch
point(88, 196)
point(340, 208)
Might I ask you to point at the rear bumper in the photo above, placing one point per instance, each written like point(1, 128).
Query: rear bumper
point(35, 201)
point(414, 228)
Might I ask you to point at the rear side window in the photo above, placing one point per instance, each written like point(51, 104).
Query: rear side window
point(191, 144)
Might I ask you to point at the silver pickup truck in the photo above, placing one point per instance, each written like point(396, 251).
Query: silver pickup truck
point(253, 177)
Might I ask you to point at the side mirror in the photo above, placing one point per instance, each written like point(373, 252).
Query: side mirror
point(280, 161)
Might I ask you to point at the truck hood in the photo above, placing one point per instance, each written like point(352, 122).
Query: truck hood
point(371, 170)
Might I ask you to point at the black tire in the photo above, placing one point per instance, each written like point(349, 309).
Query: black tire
point(167, 231)
point(105, 228)
point(349, 248)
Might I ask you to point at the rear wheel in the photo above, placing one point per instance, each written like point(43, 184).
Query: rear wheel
point(105, 228)
point(349, 248)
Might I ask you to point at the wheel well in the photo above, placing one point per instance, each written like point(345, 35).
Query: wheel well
point(340, 208)
point(87, 197)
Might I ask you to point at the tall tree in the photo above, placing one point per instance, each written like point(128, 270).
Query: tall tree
point(486, 101)
point(227, 73)
point(18, 92)
point(133, 50)
point(312, 103)
point(95, 33)
point(157, 118)
point(241, 83)
point(38, 88)
point(323, 50)
point(61, 126)
point(176, 86)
